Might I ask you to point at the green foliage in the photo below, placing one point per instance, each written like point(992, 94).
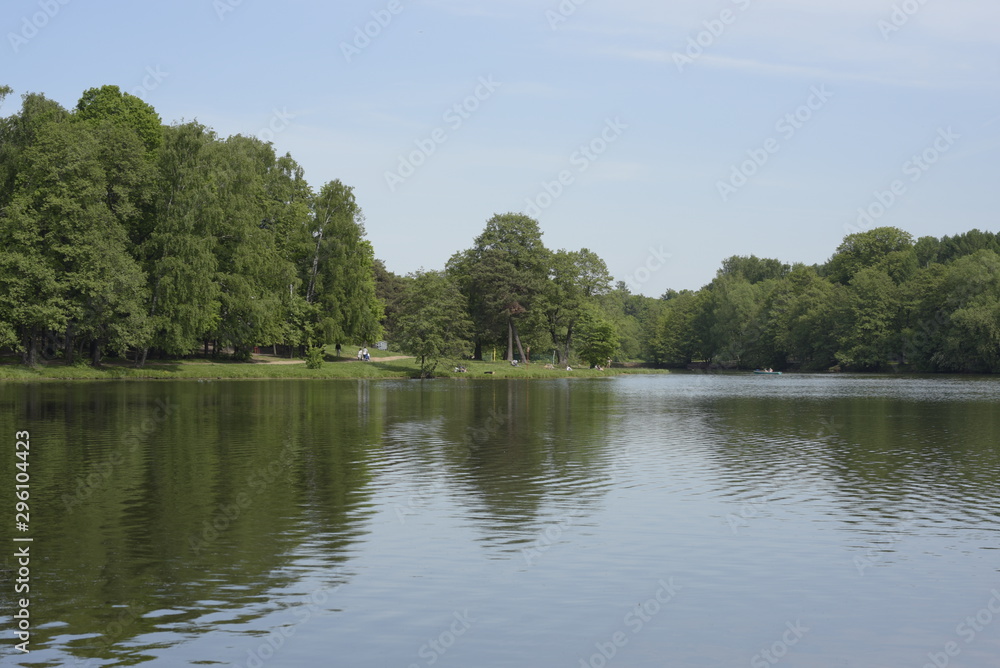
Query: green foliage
point(753, 269)
point(389, 289)
point(432, 321)
point(597, 338)
point(109, 104)
point(341, 280)
point(886, 248)
point(503, 278)
point(576, 280)
point(672, 341)
point(122, 234)
point(873, 307)
point(314, 357)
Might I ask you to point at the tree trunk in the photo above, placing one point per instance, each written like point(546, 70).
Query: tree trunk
point(30, 354)
point(517, 338)
point(569, 339)
point(311, 290)
point(477, 352)
point(140, 357)
point(510, 339)
point(68, 344)
point(95, 353)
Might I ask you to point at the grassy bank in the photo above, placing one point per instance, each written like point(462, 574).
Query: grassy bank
point(264, 367)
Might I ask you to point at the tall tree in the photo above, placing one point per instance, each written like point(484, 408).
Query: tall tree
point(252, 275)
point(432, 320)
point(66, 226)
point(870, 339)
point(597, 339)
point(576, 279)
point(887, 248)
point(123, 110)
point(178, 250)
point(503, 277)
point(390, 289)
point(342, 271)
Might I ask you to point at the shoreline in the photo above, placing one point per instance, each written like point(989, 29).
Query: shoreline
point(393, 368)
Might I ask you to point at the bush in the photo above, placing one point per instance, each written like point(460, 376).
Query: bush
point(314, 358)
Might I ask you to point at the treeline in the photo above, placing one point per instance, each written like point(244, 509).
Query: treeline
point(882, 300)
point(507, 296)
point(121, 234)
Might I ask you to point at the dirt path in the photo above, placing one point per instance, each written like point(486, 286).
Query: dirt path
point(270, 359)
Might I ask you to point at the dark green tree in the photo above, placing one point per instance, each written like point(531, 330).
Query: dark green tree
point(432, 320)
point(503, 277)
point(341, 280)
point(576, 279)
point(889, 249)
point(597, 339)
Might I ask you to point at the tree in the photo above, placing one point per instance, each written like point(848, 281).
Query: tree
point(673, 341)
point(342, 272)
point(738, 320)
point(969, 336)
point(753, 269)
point(66, 229)
point(597, 340)
point(178, 249)
point(887, 248)
point(109, 104)
point(502, 278)
point(432, 321)
point(251, 273)
point(869, 340)
point(390, 289)
point(576, 278)
point(808, 316)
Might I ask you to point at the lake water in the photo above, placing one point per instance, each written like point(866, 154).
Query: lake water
point(681, 520)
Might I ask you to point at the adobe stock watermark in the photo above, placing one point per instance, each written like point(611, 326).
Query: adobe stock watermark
point(364, 34)
point(254, 486)
point(35, 23)
point(656, 260)
point(417, 501)
point(714, 29)
point(546, 538)
point(154, 77)
point(432, 650)
point(580, 160)
point(968, 630)
point(636, 620)
point(562, 12)
point(877, 549)
point(280, 121)
point(787, 126)
point(86, 485)
point(780, 647)
point(454, 117)
point(750, 509)
point(913, 169)
point(223, 7)
point(901, 14)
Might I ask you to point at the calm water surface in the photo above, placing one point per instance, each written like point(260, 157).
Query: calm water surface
point(681, 520)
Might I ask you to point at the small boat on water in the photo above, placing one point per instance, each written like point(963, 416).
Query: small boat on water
point(759, 372)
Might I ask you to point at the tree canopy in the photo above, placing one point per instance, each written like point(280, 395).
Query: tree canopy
point(122, 235)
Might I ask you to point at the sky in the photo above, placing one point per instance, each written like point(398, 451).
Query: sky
point(663, 135)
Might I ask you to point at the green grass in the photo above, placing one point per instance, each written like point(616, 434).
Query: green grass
point(203, 369)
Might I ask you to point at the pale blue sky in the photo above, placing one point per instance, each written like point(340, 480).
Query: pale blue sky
point(673, 128)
